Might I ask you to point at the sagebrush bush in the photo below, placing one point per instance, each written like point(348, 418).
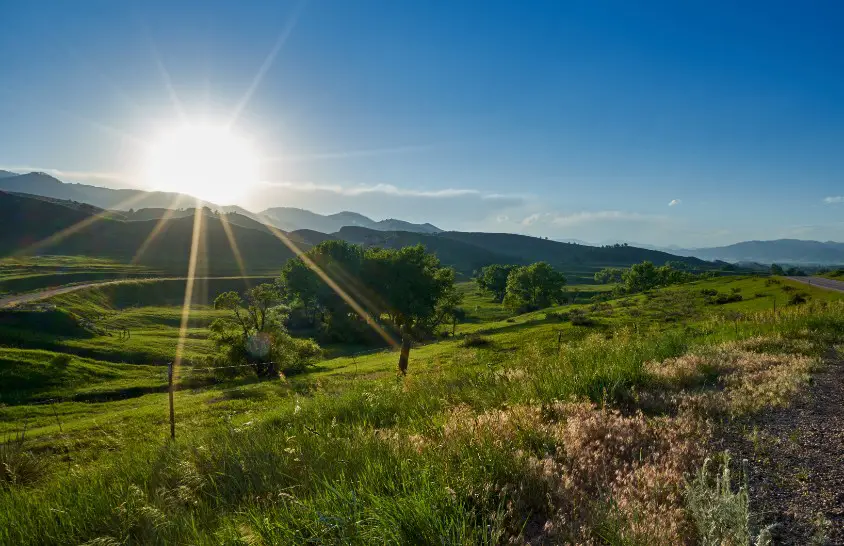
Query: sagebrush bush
point(18, 466)
point(720, 514)
point(60, 361)
point(475, 340)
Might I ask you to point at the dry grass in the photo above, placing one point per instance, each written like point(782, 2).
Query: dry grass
point(591, 474)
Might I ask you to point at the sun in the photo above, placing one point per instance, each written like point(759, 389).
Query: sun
point(205, 161)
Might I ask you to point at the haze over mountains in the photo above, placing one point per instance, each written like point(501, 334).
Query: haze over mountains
point(307, 227)
point(162, 239)
point(286, 218)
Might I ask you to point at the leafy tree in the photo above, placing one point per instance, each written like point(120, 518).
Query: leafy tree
point(641, 277)
point(777, 270)
point(534, 286)
point(325, 309)
point(493, 280)
point(412, 289)
point(609, 275)
point(254, 332)
point(795, 272)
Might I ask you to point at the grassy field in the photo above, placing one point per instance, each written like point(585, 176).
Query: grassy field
point(472, 447)
point(24, 274)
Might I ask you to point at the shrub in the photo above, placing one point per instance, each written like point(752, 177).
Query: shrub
point(60, 361)
point(722, 299)
point(579, 317)
point(798, 298)
point(17, 465)
point(476, 340)
point(556, 315)
point(720, 515)
point(709, 292)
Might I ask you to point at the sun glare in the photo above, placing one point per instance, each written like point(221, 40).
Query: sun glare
point(205, 161)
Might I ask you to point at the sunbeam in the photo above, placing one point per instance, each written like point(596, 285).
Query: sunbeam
point(186, 304)
point(266, 65)
point(331, 283)
point(70, 230)
point(168, 214)
point(233, 244)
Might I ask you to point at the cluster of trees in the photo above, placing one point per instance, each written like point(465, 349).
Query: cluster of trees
point(341, 292)
point(643, 276)
point(523, 287)
point(791, 271)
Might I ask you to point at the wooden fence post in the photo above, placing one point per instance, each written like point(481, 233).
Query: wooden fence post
point(170, 391)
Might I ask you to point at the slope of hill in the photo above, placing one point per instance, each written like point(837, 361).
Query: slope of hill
point(34, 220)
point(291, 219)
point(463, 257)
point(7, 174)
point(43, 184)
point(522, 247)
point(790, 251)
point(309, 236)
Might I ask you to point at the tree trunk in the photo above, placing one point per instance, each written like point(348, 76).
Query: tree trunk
point(405, 350)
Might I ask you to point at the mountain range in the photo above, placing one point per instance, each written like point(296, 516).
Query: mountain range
point(285, 218)
point(307, 228)
point(162, 239)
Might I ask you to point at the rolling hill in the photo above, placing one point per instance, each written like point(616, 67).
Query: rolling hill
point(467, 252)
point(38, 183)
point(35, 220)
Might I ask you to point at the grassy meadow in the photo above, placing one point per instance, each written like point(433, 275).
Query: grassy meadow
point(581, 423)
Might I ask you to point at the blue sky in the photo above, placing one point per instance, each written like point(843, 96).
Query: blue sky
point(563, 119)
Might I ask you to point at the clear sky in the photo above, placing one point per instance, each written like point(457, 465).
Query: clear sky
point(687, 123)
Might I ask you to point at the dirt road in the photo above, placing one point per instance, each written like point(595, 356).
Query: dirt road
point(821, 282)
point(17, 299)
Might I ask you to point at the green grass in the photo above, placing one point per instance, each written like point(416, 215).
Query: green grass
point(27, 273)
point(329, 457)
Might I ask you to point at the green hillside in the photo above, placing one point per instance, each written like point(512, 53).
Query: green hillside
point(36, 222)
point(468, 252)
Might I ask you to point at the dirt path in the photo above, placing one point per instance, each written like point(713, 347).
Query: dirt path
point(820, 282)
point(11, 301)
point(796, 459)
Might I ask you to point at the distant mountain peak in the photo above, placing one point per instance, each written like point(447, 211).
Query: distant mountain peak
point(293, 219)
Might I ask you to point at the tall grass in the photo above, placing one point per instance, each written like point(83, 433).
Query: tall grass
point(474, 452)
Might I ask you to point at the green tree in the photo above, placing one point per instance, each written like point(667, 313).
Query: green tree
point(254, 332)
point(534, 286)
point(609, 275)
point(325, 308)
point(412, 289)
point(641, 277)
point(493, 280)
point(777, 270)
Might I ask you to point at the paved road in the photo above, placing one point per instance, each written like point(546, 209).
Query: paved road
point(821, 282)
point(11, 301)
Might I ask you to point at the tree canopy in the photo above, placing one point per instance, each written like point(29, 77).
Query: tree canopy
point(407, 290)
point(254, 332)
point(493, 280)
point(534, 286)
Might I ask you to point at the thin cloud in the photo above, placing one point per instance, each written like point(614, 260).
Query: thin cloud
point(834, 199)
point(588, 217)
point(387, 189)
point(674, 202)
